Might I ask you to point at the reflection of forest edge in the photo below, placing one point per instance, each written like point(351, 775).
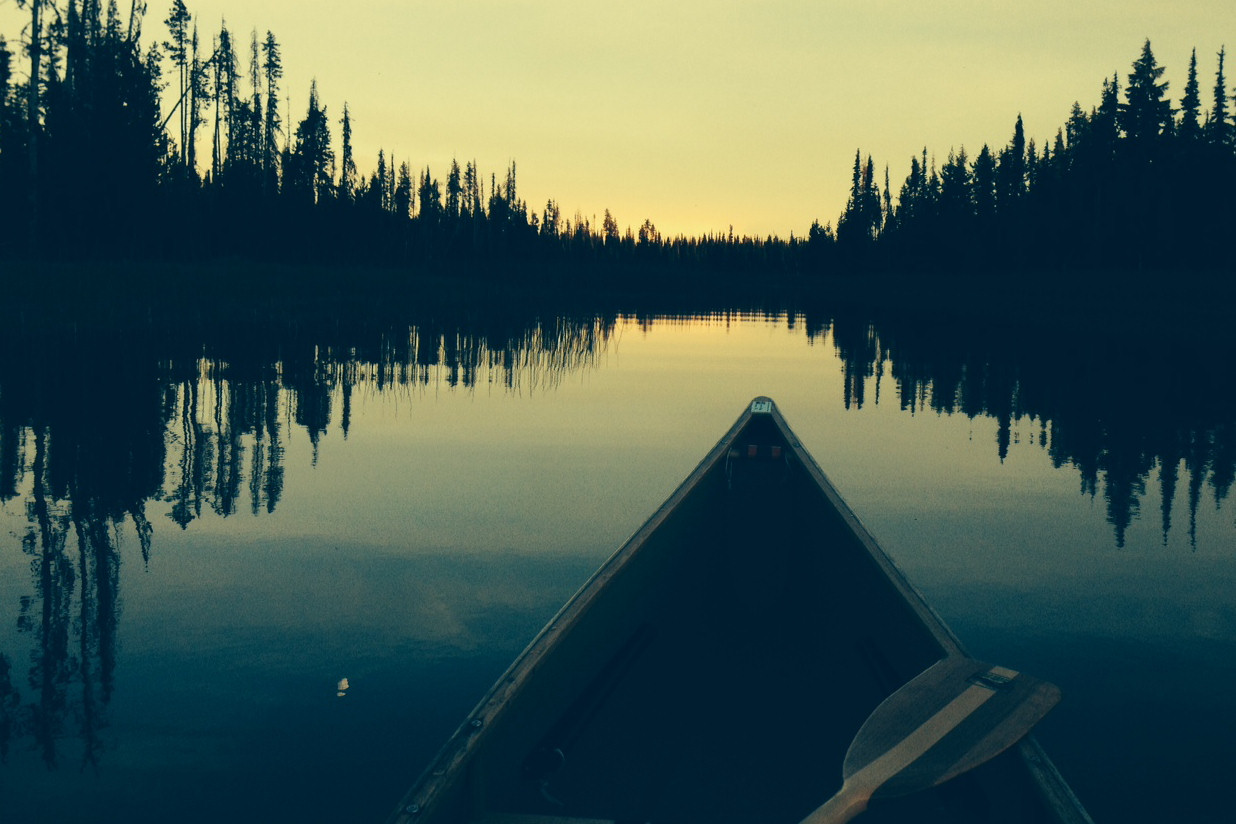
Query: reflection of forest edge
point(102, 412)
point(1120, 409)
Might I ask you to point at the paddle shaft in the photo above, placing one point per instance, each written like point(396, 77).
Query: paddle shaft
point(849, 801)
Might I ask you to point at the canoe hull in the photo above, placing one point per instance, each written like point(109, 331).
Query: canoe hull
point(716, 668)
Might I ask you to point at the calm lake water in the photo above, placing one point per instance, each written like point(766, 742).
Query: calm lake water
point(261, 577)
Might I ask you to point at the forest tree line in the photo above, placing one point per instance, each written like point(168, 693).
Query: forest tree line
point(1135, 182)
point(92, 168)
point(182, 150)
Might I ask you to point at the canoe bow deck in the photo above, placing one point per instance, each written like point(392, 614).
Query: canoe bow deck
point(716, 668)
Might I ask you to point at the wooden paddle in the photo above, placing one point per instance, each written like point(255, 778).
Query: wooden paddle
point(954, 716)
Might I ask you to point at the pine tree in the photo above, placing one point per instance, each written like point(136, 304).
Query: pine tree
point(178, 49)
point(402, 199)
point(984, 185)
point(347, 173)
point(388, 196)
point(197, 94)
point(848, 230)
point(454, 191)
point(856, 184)
point(648, 234)
point(33, 107)
point(956, 203)
point(6, 77)
point(1190, 125)
point(910, 198)
point(511, 193)
point(429, 198)
point(863, 217)
point(873, 211)
point(11, 150)
point(1146, 113)
point(1076, 127)
point(76, 47)
point(609, 229)
point(472, 190)
point(551, 220)
point(113, 21)
point(1011, 170)
point(378, 183)
point(1105, 121)
point(312, 157)
point(886, 211)
point(1032, 160)
point(1218, 126)
point(246, 151)
point(272, 67)
point(224, 63)
point(243, 122)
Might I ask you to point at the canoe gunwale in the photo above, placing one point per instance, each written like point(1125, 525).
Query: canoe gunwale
point(458, 747)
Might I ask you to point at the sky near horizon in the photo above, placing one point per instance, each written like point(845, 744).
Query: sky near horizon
point(701, 115)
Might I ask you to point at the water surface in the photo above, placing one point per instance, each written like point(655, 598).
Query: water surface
point(261, 577)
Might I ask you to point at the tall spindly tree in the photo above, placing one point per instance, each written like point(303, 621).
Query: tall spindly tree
point(224, 78)
point(179, 49)
point(272, 68)
point(1190, 127)
point(1219, 125)
point(347, 168)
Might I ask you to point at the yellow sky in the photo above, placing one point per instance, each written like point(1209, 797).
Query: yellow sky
point(702, 115)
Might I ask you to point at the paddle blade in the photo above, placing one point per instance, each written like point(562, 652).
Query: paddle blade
point(951, 718)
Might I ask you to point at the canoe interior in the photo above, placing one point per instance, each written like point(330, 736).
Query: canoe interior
point(715, 670)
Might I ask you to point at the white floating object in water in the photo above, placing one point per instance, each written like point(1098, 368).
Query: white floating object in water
point(342, 687)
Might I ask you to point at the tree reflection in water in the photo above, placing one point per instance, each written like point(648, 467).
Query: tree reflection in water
point(99, 418)
point(94, 425)
point(1118, 414)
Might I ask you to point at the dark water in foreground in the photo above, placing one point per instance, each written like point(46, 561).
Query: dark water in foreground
point(259, 574)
